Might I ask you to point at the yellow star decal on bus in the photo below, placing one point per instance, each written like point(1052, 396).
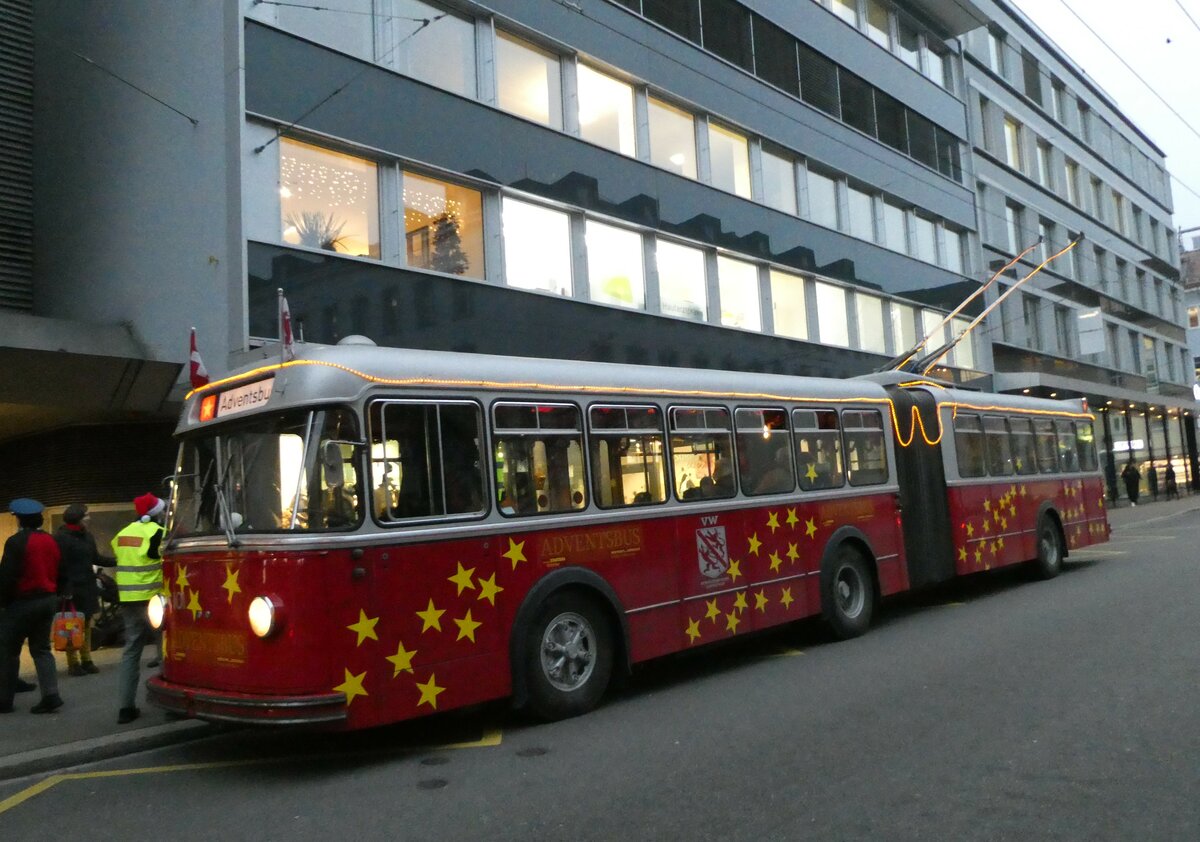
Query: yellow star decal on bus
point(713, 611)
point(1019, 466)
point(735, 569)
point(754, 544)
point(776, 562)
point(402, 660)
point(1000, 542)
point(466, 627)
point(1012, 511)
point(786, 598)
point(970, 530)
point(352, 686)
point(431, 617)
point(772, 521)
point(811, 473)
point(364, 628)
point(1012, 491)
point(978, 554)
point(488, 589)
point(962, 553)
point(992, 547)
point(693, 631)
point(194, 604)
point(987, 527)
point(996, 515)
point(516, 553)
point(429, 692)
point(739, 601)
point(181, 578)
point(1004, 523)
point(231, 582)
point(987, 505)
point(1022, 491)
point(731, 622)
point(810, 527)
point(793, 552)
point(760, 601)
point(463, 578)
point(792, 520)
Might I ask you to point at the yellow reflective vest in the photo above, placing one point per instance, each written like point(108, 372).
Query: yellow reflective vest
point(139, 577)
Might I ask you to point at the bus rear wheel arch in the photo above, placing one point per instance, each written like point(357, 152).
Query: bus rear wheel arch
point(567, 655)
point(848, 591)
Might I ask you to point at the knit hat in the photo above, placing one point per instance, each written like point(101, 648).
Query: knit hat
point(74, 513)
point(148, 506)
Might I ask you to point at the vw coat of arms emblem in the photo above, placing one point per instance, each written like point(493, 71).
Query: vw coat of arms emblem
point(712, 552)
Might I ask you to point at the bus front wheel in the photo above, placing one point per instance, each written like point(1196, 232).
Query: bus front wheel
point(568, 657)
point(847, 593)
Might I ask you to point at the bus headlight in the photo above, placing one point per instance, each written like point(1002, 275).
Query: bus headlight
point(156, 611)
point(263, 615)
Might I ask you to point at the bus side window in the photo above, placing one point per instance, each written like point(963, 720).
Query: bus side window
point(764, 453)
point(968, 445)
point(1085, 444)
point(539, 458)
point(628, 455)
point(1068, 456)
point(1047, 448)
point(1024, 452)
point(818, 444)
point(425, 460)
point(866, 458)
point(999, 447)
point(702, 453)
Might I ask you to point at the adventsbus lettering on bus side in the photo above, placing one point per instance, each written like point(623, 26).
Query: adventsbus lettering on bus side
point(365, 535)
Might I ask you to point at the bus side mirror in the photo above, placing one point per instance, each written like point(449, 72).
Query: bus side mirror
point(331, 459)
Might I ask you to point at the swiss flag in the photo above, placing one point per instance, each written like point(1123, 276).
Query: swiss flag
point(198, 372)
point(285, 330)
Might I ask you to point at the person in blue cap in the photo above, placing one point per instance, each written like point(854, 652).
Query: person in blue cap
point(29, 588)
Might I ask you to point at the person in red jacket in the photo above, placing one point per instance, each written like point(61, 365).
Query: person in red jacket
point(29, 588)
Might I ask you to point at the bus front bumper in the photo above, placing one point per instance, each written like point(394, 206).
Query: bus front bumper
point(250, 708)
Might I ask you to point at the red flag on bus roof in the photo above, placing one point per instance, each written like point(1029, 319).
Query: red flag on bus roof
point(199, 374)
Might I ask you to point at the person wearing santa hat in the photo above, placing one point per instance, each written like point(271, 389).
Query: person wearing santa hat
point(139, 578)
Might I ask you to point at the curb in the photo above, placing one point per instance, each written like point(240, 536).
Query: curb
point(57, 758)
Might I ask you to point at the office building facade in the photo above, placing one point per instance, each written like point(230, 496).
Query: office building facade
point(764, 186)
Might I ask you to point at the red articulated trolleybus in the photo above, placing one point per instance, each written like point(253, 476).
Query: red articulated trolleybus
point(364, 535)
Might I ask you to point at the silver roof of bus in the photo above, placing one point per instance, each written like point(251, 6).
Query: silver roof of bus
point(323, 374)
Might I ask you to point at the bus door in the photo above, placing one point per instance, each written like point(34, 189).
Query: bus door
point(925, 513)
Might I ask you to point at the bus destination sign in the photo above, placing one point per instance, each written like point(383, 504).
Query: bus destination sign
point(233, 401)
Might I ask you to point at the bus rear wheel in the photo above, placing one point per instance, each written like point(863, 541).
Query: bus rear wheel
point(1049, 549)
point(847, 593)
point(568, 657)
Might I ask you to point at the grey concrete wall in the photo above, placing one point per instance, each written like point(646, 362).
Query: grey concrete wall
point(136, 213)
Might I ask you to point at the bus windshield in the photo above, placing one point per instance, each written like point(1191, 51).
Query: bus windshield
point(290, 471)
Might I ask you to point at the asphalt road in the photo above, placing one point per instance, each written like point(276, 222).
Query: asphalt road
point(998, 708)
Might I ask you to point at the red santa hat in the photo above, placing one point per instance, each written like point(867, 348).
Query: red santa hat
point(149, 506)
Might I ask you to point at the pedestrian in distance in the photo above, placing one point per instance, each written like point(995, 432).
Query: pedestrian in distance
point(1133, 480)
point(1152, 481)
point(1172, 487)
point(137, 548)
point(80, 557)
point(29, 589)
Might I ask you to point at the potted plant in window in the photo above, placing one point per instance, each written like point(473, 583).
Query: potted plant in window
point(317, 229)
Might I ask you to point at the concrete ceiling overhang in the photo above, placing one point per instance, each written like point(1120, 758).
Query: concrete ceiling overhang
point(958, 16)
point(55, 372)
point(1097, 394)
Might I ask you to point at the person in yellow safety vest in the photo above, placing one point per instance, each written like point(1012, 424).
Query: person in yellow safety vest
point(139, 577)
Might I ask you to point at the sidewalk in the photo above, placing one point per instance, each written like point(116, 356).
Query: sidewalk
point(85, 729)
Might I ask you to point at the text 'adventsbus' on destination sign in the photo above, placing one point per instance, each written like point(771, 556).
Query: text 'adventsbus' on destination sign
point(244, 398)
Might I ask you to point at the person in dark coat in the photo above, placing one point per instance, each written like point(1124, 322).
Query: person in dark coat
point(1172, 485)
point(1132, 480)
point(80, 557)
point(29, 588)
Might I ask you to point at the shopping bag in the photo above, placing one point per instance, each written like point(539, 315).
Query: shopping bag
point(67, 631)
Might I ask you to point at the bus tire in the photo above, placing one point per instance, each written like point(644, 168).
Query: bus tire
point(847, 593)
point(568, 657)
point(1049, 549)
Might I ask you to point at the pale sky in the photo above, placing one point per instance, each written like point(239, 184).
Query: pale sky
point(1158, 41)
